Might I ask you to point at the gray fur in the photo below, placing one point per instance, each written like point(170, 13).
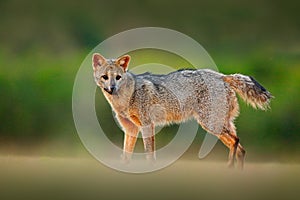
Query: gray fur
point(143, 101)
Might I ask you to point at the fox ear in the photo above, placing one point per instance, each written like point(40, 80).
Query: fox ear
point(98, 60)
point(123, 62)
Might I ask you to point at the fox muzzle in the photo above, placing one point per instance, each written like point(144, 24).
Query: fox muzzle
point(110, 90)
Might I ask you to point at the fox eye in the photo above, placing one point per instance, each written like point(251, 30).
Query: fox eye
point(118, 77)
point(104, 77)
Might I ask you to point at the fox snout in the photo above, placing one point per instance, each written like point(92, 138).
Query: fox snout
point(110, 89)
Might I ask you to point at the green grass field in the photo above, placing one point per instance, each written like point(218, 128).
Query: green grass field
point(85, 178)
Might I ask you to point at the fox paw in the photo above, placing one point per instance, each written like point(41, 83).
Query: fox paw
point(125, 159)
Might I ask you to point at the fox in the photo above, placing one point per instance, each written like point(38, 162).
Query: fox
point(143, 101)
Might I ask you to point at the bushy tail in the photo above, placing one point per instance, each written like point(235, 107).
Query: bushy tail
point(250, 90)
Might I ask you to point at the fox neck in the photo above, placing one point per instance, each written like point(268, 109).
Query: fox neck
point(120, 100)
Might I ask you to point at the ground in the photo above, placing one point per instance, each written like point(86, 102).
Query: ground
point(85, 178)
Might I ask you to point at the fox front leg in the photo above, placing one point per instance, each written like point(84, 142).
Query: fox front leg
point(130, 136)
point(149, 142)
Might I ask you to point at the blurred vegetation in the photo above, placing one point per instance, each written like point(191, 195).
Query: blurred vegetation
point(42, 44)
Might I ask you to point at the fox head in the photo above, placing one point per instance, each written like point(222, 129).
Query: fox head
point(110, 73)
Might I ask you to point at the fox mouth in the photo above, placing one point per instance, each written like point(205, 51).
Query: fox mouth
point(108, 91)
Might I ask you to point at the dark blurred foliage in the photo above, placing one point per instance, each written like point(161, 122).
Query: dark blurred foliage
point(42, 44)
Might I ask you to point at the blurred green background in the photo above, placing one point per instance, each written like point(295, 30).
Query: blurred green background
point(42, 44)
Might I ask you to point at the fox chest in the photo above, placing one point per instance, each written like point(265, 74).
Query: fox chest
point(120, 109)
point(120, 106)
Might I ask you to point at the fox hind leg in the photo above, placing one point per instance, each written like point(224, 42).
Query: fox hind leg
point(240, 156)
point(232, 142)
point(236, 150)
point(229, 136)
point(240, 151)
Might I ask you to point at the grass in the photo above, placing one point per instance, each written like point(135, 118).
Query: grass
point(85, 178)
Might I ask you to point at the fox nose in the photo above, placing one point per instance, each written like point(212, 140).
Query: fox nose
point(112, 89)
